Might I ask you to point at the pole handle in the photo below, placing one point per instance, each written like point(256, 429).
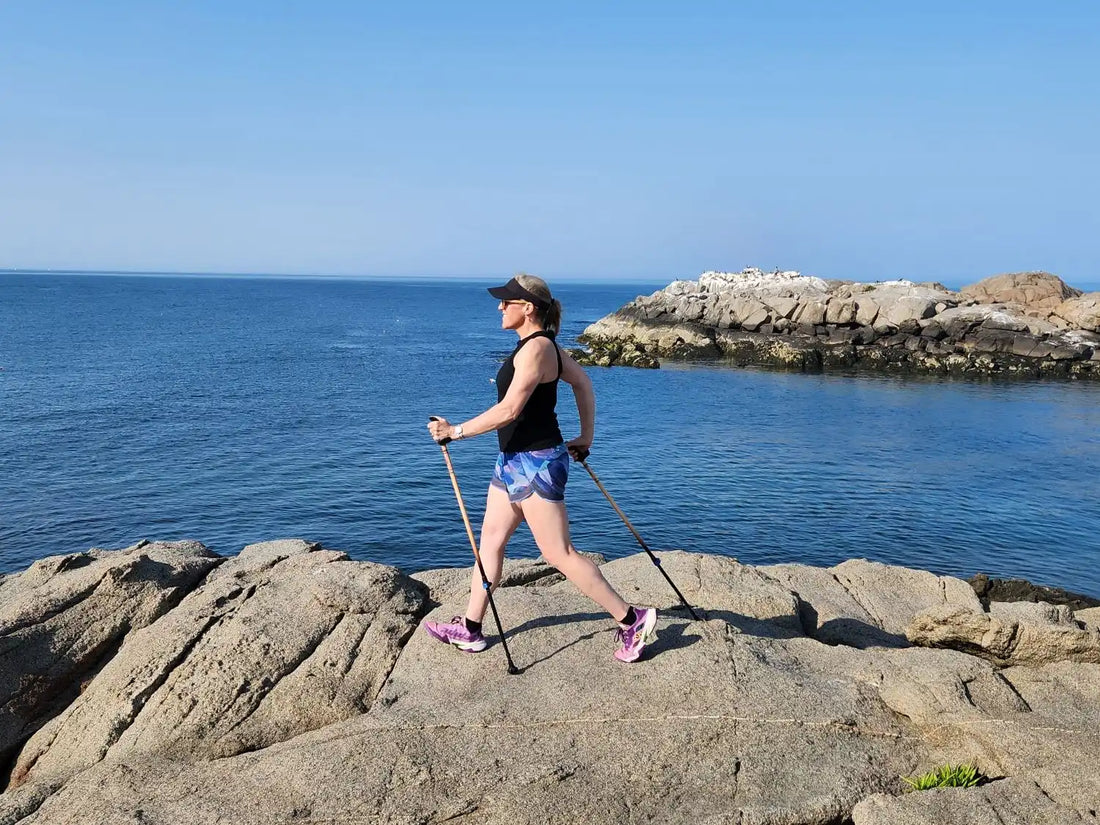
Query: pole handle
point(446, 440)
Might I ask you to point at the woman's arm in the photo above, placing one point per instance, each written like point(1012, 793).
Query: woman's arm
point(574, 375)
point(527, 375)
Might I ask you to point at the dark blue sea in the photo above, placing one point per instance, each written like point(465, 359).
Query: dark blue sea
point(238, 409)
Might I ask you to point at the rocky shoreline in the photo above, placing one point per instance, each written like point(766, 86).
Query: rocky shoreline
point(1029, 324)
point(164, 684)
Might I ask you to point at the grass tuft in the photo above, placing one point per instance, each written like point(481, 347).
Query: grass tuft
point(957, 776)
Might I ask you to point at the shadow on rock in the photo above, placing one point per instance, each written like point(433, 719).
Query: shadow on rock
point(854, 633)
point(669, 636)
point(847, 630)
point(751, 626)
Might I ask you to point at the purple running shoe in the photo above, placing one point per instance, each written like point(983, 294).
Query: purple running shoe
point(637, 636)
point(455, 633)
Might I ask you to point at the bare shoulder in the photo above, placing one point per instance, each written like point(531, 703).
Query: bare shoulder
point(537, 355)
point(536, 349)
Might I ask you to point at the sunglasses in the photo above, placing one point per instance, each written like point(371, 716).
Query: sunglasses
point(509, 303)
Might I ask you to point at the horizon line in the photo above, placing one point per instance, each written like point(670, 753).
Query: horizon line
point(318, 275)
point(1089, 286)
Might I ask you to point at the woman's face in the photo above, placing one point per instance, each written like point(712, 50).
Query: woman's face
point(512, 314)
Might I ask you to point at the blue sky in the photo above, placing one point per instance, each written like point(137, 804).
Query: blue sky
point(945, 141)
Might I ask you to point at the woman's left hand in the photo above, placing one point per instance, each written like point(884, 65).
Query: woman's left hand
point(579, 448)
point(440, 428)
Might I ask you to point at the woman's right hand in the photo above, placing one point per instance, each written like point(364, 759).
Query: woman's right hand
point(440, 428)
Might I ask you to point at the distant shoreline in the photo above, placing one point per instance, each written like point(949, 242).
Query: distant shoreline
point(656, 283)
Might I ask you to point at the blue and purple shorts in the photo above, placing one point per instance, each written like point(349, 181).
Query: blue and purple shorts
point(533, 471)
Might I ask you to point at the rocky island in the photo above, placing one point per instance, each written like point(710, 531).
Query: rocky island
point(1028, 324)
point(162, 683)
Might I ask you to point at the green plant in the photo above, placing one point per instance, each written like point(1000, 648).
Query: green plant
point(958, 776)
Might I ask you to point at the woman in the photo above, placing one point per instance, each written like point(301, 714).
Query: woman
point(528, 482)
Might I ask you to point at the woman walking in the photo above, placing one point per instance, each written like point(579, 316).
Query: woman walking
point(528, 482)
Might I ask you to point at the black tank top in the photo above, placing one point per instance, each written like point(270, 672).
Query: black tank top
point(536, 428)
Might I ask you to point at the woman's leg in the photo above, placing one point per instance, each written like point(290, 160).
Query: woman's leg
point(501, 520)
point(549, 524)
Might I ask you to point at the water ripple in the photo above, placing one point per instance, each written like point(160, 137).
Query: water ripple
point(297, 408)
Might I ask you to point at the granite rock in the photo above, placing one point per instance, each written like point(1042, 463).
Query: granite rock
point(1004, 641)
point(1024, 324)
point(1037, 293)
point(64, 617)
point(282, 639)
point(742, 717)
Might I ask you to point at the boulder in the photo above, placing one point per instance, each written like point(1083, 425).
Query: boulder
point(892, 304)
point(907, 308)
point(1003, 641)
point(810, 313)
point(891, 594)
point(1089, 617)
point(862, 603)
point(285, 638)
point(610, 334)
point(1002, 321)
point(1082, 312)
point(958, 321)
point(747, 313)
point(840, 311)
point(1036, 292)
point(1039, 613)
point(1020, 590)
point(867, 310)
point(782, 306)
point(65, 616)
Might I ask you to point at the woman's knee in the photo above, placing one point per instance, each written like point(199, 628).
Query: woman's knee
point(562, 557)
point(494, 541)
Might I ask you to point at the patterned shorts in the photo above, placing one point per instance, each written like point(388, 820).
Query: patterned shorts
point(534, 471)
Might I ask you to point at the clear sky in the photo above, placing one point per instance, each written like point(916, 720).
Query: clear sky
point(639, 140)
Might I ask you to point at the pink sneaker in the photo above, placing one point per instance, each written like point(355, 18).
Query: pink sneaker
point(455, 633)
point(637, 636)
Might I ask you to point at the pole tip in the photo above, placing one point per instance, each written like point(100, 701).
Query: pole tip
point(513, 670)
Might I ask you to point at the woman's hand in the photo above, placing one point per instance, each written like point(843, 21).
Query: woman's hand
point(441, 429)
point(579, 448)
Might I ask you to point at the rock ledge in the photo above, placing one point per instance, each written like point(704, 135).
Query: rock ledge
point(290, 685)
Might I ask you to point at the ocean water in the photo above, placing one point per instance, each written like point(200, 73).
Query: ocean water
point(234, 410)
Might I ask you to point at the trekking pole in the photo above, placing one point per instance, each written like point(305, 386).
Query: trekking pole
point(581, 456)
point(512, 669)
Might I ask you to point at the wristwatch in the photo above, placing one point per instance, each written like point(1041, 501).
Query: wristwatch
point(457, 432)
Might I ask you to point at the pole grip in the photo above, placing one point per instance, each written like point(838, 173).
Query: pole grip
point(446, 440)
